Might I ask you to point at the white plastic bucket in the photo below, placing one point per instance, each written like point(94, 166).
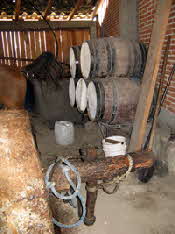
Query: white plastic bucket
point(111, 149)
point(64, 132)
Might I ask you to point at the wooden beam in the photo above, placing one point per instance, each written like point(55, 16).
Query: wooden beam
point(150, 74)
point(98, 4)
point(41, 25)
point(75, 9)
point(23, 197)
point(50, 2)
point(17, 9)
point(102, 169)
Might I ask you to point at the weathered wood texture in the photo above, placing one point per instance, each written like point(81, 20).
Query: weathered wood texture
point(41, 25)
point(17, 9)
point(23, 199)
point(150, 74)
point(103, 169)
point(21, 46)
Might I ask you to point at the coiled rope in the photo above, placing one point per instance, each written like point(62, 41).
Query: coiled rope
point(118, 179)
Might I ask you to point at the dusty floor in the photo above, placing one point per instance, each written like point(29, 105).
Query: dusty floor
point(135, 209)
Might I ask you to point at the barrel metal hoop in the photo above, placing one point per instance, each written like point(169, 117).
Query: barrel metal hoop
point(102, 100)
point(98, 112)
point(115, 101)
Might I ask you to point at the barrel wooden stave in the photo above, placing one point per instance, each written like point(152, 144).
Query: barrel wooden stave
point(116, 101)
point(128, 92)
point(111, 56)
point(75, 68)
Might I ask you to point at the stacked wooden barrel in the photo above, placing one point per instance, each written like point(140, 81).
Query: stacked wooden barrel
point(106, 75)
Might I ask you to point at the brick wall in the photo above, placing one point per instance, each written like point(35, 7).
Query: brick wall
point(146, 12)
point(110, 25)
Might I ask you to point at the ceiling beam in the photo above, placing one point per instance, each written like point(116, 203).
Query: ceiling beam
point(17, 9)
point(50, 2)
point(95, 11)
point(75, 9)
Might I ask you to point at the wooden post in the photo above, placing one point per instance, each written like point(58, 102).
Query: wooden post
point(17, 9)
point(150, 74)
point(50, 2)
point(23, 199)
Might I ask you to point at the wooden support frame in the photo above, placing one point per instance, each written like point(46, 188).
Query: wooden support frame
point(41, 25)
point(75, 9)
point(150, 74)
point(50, 2)
point(24, 26)
point(17, 9)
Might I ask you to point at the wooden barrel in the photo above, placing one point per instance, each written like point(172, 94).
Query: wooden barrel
point(75, 69)
point(111, 56)
point(113, 101)
point(72, 91)
point(81, 94)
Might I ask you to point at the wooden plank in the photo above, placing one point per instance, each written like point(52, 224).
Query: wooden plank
point(4, 46)
point(1, 45)
point(17, 9)
point(1, 48)
point(51, 41)
point(27, 45)
point(18, 48)
point(23, 52)
point(42, 41)
point(150, 74)
point(75, 9)
point(50, 2)
point(65, 48)
point(32, 42)
point(58, 33)
point(48, 44)
point(37, 45)
point(13, 45)
point(9, 47)
point(18, 59)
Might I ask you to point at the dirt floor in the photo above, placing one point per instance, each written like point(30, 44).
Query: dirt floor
point(136, 208)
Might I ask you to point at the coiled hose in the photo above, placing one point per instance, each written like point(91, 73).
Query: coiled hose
point(66, 167)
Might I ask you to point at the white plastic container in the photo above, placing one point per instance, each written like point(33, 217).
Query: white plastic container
point(64, 132)
point(111, 149)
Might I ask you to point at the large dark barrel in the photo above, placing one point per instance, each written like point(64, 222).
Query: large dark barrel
point(74, 58)
point(111, 56)
point(113, 101)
